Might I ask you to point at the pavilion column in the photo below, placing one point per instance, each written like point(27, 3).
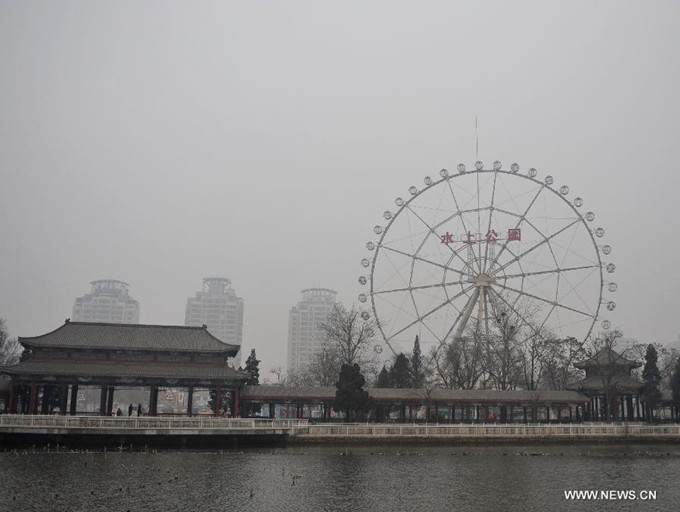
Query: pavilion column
point(63, 399)
point(45, 398)
point(11, 407)
point(32, 398)
point(525, 414)
point(512, 414)
point(629, 406)
point(559, 414)
point(190, 400)
point(452, 413)
point(109, 402)
point(410, 413)
point(272, 410)
point(218, 400)
point(74, 399)
point(593, 401)
point(103, 401)
point(477, 413)
point(436, 414)
point(153, 400)
point(236, 406)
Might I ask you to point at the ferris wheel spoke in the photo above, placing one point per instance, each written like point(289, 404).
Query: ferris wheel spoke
point(574, 288)
point(536, 246)
point(541, 299)
point(522, 218)
point(455, 202)
point(432, 311)
point(424, 260)
point(432, 230)
point(552, 271)
point(488, 228)
point(422, 287)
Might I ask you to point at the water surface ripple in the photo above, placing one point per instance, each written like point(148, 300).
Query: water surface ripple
point(340, 479)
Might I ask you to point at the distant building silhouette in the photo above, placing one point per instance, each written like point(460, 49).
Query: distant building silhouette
point(108, 301)
point(305, 338)
point(218, 307)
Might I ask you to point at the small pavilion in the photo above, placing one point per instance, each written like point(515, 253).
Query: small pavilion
point(118, 356)
point(608, 375)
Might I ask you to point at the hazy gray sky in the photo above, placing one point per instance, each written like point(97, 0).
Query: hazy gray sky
point(162, 142)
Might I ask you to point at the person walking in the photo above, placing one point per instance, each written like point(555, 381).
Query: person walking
point(139, 410)
point(130, 409)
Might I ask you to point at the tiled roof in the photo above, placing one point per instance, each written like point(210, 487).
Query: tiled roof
point(418, 395)
point(85, 335)
point(607, 357)
point(116, 369)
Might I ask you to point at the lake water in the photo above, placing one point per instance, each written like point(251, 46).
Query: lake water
point(340, 478)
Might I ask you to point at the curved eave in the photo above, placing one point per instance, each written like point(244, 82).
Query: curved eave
point(55, 339)
point(83, 371)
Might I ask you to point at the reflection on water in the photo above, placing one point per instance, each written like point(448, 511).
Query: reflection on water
point(326, 478)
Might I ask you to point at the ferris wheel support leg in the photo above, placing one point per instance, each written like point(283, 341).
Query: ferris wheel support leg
point(466, 314)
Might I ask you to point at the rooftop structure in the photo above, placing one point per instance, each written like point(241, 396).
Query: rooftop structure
point(114, 356)
point(218, 307)
point(109, 300)
point(305, 338)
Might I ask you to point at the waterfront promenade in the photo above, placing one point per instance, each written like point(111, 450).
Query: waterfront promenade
point(158, 430)
point(604, 432)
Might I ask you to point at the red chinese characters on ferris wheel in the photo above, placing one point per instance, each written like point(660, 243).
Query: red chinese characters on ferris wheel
point(470, 238)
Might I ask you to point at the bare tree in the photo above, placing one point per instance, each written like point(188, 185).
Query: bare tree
point(325, 366)
point(348, 332)
point(503, 356)
point(10, 348)
point(458, 364)
point(557, 362)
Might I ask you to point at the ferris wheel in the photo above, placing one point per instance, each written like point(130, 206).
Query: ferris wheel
point(475, 250)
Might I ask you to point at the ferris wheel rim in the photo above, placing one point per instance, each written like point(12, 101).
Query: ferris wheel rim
point(406, 204)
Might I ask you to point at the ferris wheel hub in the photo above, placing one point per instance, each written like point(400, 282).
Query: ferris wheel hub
point(482, 280)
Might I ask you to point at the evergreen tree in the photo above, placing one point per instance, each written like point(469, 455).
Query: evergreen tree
point(253, 369)
point(350, 395)
point(225, 402)
point(675, 387)
point(400, 373)
point(383, 379)
point(652, 379)
point(418, 376)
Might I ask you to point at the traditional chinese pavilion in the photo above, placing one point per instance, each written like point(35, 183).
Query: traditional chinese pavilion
point(118, 356)
point(608, 374)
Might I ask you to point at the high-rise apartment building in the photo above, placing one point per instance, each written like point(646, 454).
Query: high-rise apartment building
point(109, 301)
point(305, 338)
point(218, 307)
